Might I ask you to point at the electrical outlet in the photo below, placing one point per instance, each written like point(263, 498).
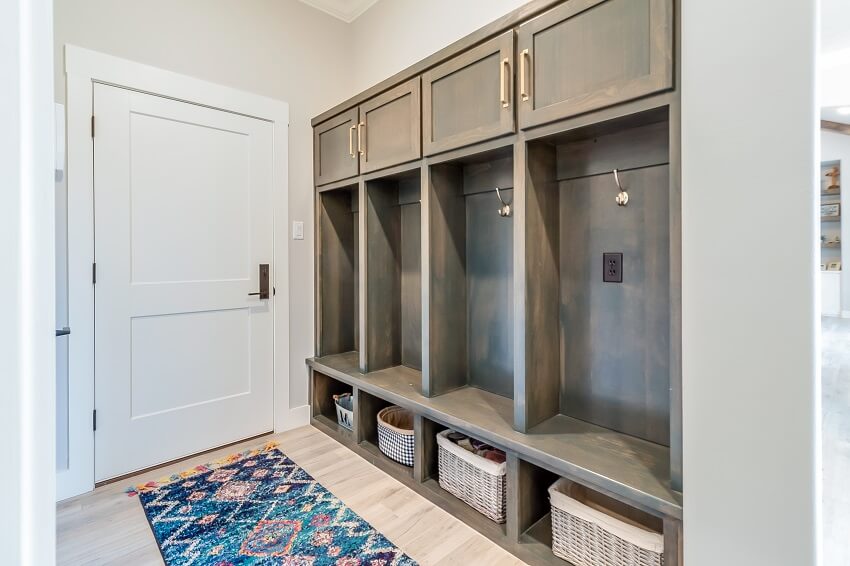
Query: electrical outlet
point(612, 267)
point(297, 230)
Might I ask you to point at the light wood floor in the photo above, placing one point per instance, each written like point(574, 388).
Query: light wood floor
point(107, 527)
point(836, 440)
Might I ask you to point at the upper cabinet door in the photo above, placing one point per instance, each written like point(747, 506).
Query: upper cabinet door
point(589, 54)
point(469, 98)
point(334, 147)
point(390, 130)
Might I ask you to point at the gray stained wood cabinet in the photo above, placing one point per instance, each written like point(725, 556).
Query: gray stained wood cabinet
point(334, 152)
point(588, 54)
point(390, 128)
point(470, 98)
point(433, 297)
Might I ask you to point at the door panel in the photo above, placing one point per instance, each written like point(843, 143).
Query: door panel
point(183, 218)
point(470, 98)
point(334, 147)
point(390, 128)
point(589, 54)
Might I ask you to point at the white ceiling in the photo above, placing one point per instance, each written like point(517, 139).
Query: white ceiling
point(831, 114)
point(835, 25)
point(345, 10)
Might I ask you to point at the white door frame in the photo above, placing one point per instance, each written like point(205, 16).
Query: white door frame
point(83, 68)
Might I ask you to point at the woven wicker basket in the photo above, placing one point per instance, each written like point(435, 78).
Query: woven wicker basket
point(395, 434)
point(477, 481)
point(588, 536)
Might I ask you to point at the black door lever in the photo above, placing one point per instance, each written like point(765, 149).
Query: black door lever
point(263, 293)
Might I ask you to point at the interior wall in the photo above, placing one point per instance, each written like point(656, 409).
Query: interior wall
point(836, 147)
point(401, 25)
point(750, 321)
point(27, 342)
point(282, 49)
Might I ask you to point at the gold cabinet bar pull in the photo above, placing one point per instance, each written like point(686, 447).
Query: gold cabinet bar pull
point(523, 91)
point(506, 72)
point(360, 127)
point(351, 141)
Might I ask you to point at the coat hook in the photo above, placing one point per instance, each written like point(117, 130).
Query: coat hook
point(622, 198)
point(505, 209)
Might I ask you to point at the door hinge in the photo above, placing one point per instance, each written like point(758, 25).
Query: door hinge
point(94, 419)
point(274, 291)
point(92, 125)
point(93, 273)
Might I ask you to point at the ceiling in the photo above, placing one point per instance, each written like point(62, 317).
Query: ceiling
point(345, 10)
point(831, 114)
point(835, 25)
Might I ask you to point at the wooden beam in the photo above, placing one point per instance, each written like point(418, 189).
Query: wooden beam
point(835, 127)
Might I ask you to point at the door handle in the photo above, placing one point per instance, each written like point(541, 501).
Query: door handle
point(263, 293)
point(64, 331)
point(360, 127)
point(505, 95)
point(523, 71)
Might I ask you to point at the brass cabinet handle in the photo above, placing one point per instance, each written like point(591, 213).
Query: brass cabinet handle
point(505, 94)
point(360, 127)
point(523, 91)
point(351, 141)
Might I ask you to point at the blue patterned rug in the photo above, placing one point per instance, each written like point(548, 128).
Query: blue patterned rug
point(258, 507)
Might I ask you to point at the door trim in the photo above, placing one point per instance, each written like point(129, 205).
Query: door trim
point(84, 68)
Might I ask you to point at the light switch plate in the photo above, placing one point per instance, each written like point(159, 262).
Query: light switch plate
point(297, 230)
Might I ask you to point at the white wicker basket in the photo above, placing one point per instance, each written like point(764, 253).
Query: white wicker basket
point(395, 434)
point(477, 481)
point(587, 536)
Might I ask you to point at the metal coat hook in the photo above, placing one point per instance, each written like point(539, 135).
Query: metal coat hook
point(622, 198)
point(505, 209)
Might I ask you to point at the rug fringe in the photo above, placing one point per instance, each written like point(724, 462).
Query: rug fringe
point(204, 468)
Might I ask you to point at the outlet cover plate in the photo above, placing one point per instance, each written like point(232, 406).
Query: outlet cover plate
point(612, 267)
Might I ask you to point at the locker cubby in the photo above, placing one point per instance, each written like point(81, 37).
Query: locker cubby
point(337, 271)
point(470, 255)
point(393, 272)
point(323, 389)
point(599, 351)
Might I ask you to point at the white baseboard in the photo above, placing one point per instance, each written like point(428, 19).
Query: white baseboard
point(845, 314)
point(293, 418)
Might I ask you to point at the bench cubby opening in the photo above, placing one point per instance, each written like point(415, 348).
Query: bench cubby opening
point(368, 406)
point(337, 271)
point(470, 270)
point(323, 409)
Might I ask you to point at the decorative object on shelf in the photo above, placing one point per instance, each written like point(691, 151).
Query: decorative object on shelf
point(833, 266)
point(830, 209)
point(623, 197)
point(283, 515)
point(833, 174)
point(823, 267)
point(505, 209)
point(477, 480)
point(395, 434)
point(586, 535)
point(344, 410)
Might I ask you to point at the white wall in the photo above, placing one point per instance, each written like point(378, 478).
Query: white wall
point(27, 495)
point(836, 147)
point(278, 48)
point(751, 381)
point(393, 34)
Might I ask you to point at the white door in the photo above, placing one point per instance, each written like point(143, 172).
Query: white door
point(183, 219)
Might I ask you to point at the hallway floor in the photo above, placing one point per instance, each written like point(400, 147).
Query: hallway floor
point(836, 441)
point(107, 527)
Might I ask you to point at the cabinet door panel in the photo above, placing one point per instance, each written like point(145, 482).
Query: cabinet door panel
point(391, 128)
point(335, 155)
point(470, 98)
point(588, 54)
